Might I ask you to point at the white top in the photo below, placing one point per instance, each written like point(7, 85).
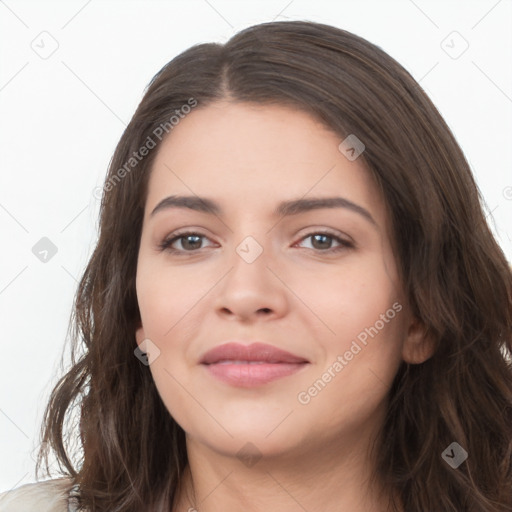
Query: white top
point(48, 496)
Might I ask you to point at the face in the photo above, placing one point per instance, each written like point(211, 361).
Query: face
point(319, 283)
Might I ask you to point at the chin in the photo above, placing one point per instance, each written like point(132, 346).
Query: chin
point(250, 446)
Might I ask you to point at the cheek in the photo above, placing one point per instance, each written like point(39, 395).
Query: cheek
point(360, 363)
point(347, 299)
point(166, 296)
point(369, 341)
point(365, 317)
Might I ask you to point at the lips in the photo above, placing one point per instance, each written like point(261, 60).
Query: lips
point(248, 366)
point(255, 353)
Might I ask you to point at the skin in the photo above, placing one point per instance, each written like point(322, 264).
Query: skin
point(297, 295)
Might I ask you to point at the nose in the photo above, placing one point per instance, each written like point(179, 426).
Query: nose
point(251, 289)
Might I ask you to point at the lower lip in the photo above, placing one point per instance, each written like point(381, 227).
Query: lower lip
point(250, 375)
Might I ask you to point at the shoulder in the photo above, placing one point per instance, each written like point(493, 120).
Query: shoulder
point(47, 496)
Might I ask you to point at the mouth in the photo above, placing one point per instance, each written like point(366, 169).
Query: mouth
point(251, 365)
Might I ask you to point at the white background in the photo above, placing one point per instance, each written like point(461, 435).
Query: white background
point(62, 116)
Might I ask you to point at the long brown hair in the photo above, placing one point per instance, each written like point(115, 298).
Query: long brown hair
point(454, 274)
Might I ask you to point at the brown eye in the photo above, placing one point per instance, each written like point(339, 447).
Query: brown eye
point(323, 242)
point(190, 242)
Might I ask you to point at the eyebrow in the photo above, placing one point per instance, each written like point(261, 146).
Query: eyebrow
point(284, 209)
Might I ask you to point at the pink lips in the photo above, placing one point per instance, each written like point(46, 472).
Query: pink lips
point(251, 365)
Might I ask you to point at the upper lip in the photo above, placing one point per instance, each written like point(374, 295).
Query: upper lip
point(233, 351)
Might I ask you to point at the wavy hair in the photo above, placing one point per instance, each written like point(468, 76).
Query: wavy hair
point(455, 276)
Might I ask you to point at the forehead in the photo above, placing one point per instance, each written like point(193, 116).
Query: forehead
point(251, 156)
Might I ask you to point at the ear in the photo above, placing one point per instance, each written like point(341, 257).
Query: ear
point(139, 333)
point(418, 345)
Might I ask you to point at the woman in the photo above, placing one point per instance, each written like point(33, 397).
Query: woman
point(295, 301)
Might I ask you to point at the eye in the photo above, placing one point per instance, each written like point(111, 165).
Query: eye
point(321, 241)
point(190, 242)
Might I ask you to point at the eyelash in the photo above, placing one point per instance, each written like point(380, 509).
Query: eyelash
point(165, 245)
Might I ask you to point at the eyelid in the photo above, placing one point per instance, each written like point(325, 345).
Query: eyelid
point(317, 230)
